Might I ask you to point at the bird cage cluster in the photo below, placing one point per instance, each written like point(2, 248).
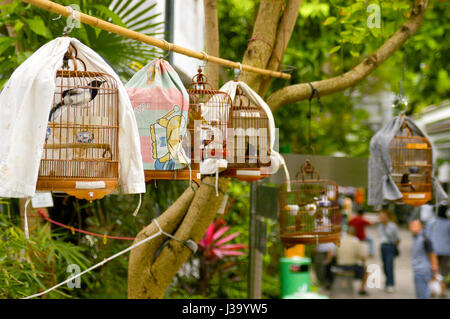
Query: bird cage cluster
point(80, 155)
point(209, 119)
point(250, 141)
point(411, 160)
point(309, 212)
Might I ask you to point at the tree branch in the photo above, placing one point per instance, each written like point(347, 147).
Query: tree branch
point(140, 280)
point(299, 92)
point(200, 215)
point(284, 33)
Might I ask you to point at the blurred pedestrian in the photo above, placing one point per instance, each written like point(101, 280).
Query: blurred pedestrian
point(351, 256)
point(347, 212)
point(360, 224)
point(438, 231)
point(426, 213)
point(424, 261)
point(324, 258)
point(389, 238)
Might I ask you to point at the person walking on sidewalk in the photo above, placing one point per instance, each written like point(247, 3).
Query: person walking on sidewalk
point(360, 224)
point(438, 231)
point(424, 261)
point(389, 238)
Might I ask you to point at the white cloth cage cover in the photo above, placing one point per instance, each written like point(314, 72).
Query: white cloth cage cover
point(25, 104)
point(276, 159)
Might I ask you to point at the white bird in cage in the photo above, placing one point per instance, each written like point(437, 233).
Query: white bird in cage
point(76, 97)
point(311, 209)
point(292, 209)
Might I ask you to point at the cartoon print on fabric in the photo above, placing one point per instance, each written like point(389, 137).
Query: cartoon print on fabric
point(165, 146)
point(161, 107)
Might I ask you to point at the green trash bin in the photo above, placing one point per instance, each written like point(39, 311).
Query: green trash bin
point(294, 275)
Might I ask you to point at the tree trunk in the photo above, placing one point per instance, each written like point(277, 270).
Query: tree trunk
point(212, 41)
point(150, 275)
point(284, 32)
point(261, 44)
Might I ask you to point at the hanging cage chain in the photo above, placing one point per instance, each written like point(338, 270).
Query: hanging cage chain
point(314, 91)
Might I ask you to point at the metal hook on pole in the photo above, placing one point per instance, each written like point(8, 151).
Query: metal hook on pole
point(169, 49)
point(238, 72)
point(69, 27)
point(205, 57)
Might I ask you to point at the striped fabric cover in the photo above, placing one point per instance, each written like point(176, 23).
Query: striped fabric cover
point(161, 105)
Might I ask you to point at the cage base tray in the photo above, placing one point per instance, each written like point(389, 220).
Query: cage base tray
point(246, 174)
point(294, 239)
point(69, 186)
point(178, 175)
point(416, 198)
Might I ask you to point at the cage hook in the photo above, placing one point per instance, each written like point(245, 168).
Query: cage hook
point(168, 49)
point(238, 72)
point(317, 92)
point(205, 57)
point(68, 28)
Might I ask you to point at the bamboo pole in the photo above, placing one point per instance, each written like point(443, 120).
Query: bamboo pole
point(110, 27)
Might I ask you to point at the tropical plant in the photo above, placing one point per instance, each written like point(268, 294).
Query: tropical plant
point(214, 247)
point(28, 266)
point(24, 28)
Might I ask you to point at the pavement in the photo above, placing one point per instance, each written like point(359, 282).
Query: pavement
point(403, 275)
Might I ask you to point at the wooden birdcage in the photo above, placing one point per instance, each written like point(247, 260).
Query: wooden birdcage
point(309, 213)
point(412, 166)
point(250, 158)
point(209, 119)
point(80, 155)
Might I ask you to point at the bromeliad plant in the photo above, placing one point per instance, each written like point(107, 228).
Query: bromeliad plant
point(214, 248)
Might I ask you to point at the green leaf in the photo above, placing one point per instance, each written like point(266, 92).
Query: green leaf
point(376, 32)
point(5, 43)
point(354, 54)
point(38, 26)
point(19, 24)
point(106, 12)
point(133, 8)
point(335, 49)
point(141, 13)
point(329, 20)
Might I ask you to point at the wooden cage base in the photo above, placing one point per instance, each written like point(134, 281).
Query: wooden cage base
point(416, 198)
point(176, 175)
point(310, 239)
point(69, 186)
point(246, 174)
